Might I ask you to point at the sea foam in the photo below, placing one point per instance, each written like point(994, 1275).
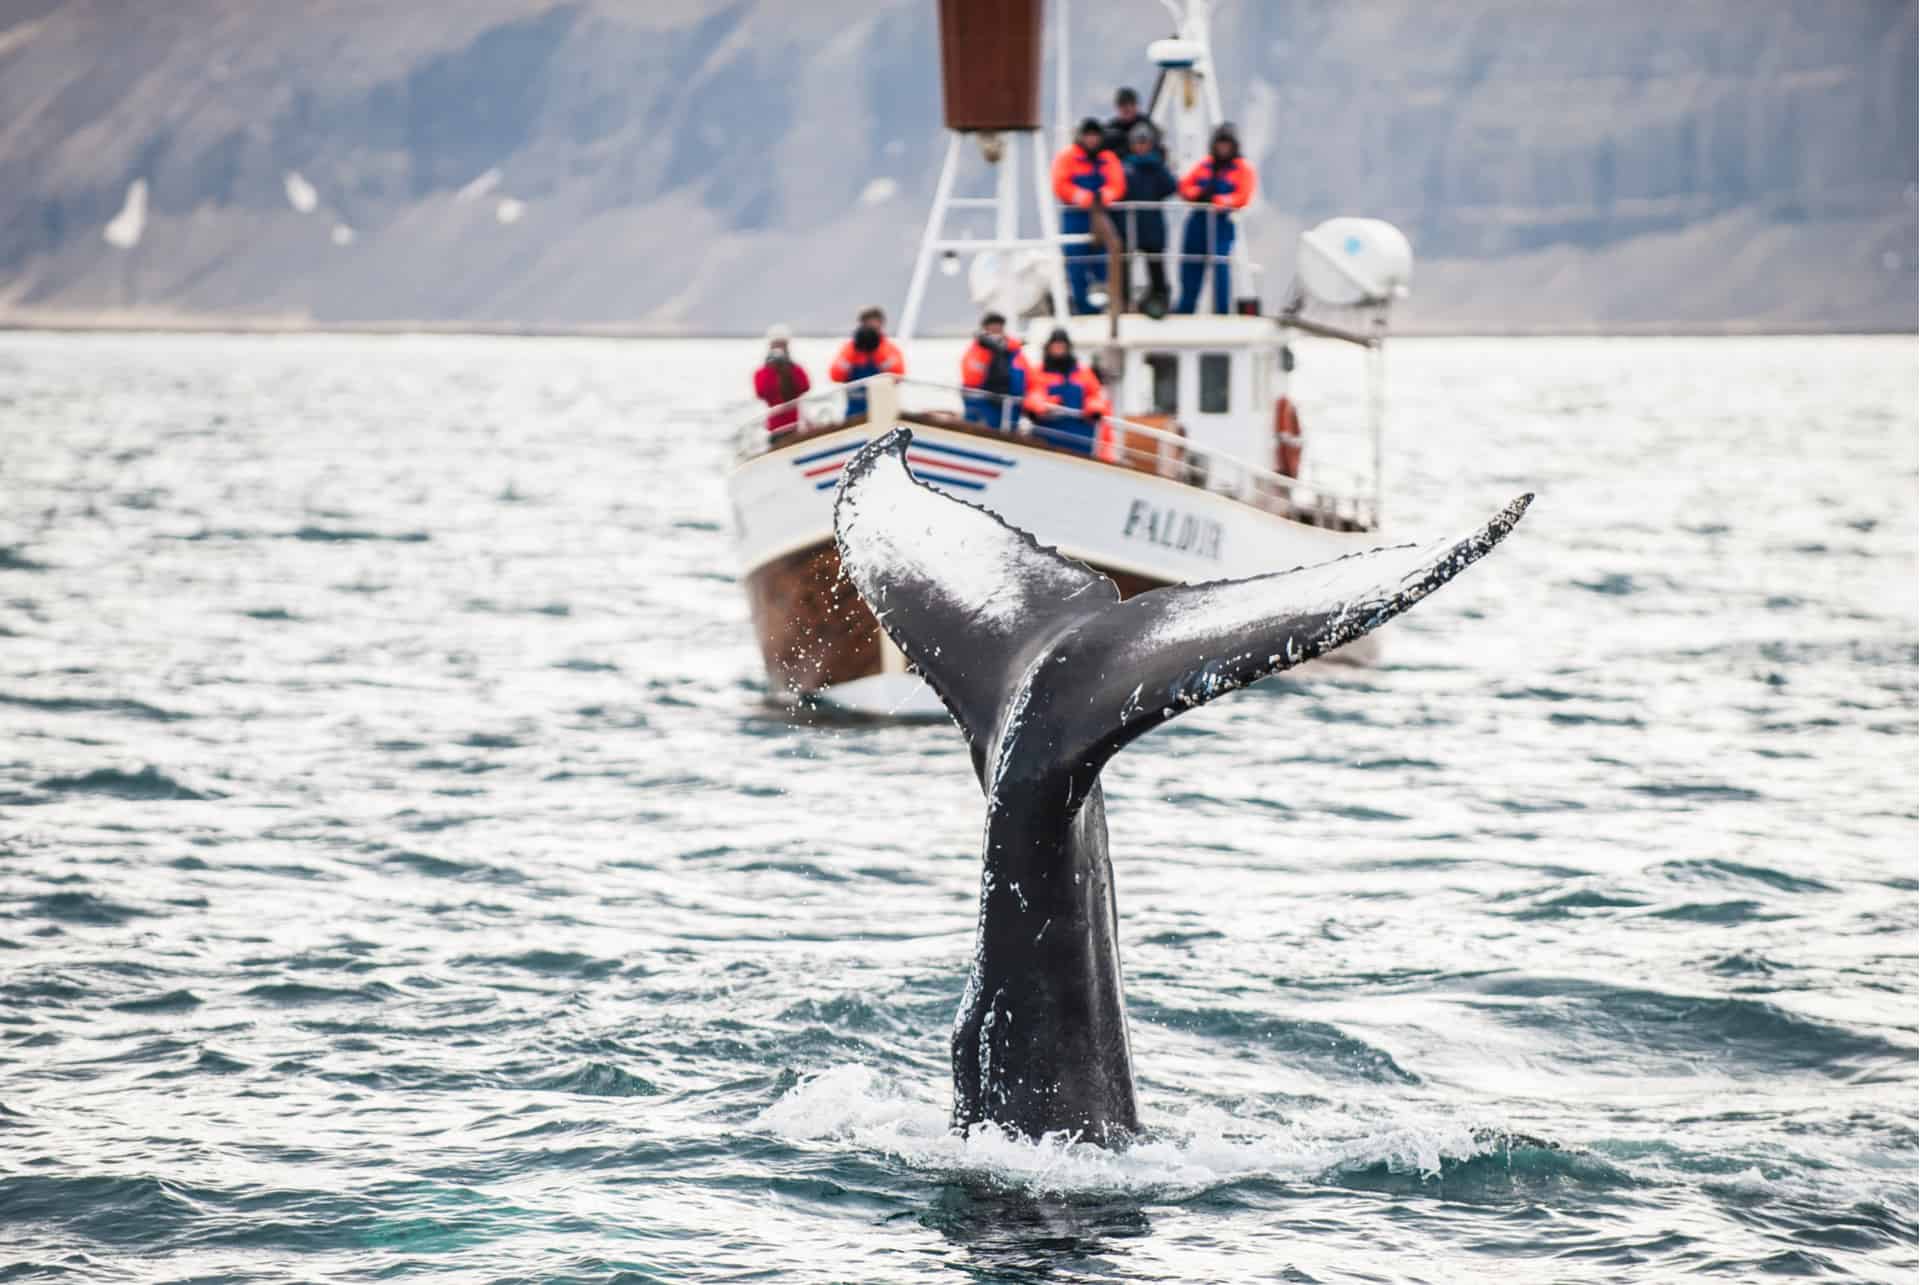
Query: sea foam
point(1181, 1153)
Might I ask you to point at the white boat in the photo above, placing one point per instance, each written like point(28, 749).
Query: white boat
point(1188, 484)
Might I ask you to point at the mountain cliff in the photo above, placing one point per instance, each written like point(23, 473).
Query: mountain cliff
point(682, 165)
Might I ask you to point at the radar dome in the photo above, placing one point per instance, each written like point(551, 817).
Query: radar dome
point(1355, 261)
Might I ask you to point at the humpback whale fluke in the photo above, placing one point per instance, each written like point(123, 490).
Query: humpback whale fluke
point(1049, 675)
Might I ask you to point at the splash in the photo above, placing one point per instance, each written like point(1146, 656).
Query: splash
point(1182, 1154)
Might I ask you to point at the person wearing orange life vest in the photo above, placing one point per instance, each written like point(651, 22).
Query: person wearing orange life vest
point(1085, 174)
point(995, 365)
point(1219, 185)
point(1065, 399)
point(869, 352)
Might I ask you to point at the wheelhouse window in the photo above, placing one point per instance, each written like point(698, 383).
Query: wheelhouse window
point(1166, 382)
point(1216, 373)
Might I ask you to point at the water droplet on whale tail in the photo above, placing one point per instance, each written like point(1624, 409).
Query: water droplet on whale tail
point(979, 607)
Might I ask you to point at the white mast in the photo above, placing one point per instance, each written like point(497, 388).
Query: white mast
point(1189, 109)
point(1009, 272)
point(1062, 98)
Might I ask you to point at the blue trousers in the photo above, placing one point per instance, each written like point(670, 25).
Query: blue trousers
point(1086, 263)
point(1195, 245)
point(991, 411)
point(1073, 432)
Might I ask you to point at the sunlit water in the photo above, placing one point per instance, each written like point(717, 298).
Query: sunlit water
point(400, 874)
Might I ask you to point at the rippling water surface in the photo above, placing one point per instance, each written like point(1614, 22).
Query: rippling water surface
point(401, 876)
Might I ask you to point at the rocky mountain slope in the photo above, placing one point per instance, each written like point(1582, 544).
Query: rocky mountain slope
point(708, 165)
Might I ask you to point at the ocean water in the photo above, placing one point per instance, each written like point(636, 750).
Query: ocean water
point(402, 876)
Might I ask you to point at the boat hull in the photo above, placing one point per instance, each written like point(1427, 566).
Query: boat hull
point(1144, 529)
point(814, 630)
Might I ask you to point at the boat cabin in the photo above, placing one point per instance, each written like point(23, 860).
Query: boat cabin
point(1214, 378)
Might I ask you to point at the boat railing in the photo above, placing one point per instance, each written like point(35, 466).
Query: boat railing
point(1155, 450)
point(770, 427)
point(1320, 497)
point(1152, 221)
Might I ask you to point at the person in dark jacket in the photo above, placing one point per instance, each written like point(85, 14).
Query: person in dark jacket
point(1218, 186)
point(1065, 398)
point(1085, 174)
point(1145, 231)
point(994, 365)
point(1126, 118)
point(779, 381)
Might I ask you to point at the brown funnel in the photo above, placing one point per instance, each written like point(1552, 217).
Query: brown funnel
point(990, 63)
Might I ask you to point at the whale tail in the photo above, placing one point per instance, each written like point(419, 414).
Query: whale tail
point(1011, 634)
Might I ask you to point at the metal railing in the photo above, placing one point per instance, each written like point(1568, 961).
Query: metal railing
point(1143, 448)
point(1130, 217)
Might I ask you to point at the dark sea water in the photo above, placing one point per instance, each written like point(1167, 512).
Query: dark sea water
point(400, 875)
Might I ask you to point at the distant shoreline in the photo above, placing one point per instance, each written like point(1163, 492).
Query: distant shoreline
point(219, 325)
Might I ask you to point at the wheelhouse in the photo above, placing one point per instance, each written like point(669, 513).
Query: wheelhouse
point(1214, 379)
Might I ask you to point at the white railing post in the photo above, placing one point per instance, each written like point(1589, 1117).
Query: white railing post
point(1006, 198)
point(1377, 416)
point(1049, 227)
point(936, 224)
point(1213, 257)
point(883, 402)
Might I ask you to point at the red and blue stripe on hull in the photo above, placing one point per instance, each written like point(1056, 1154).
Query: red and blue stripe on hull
point(965, 467)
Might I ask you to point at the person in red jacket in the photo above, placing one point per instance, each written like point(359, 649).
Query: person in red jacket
point(995, 365)
point(1065, 399)
point(778, 382)
point(1219, 185)
point(1085, 174)
point(869, 352)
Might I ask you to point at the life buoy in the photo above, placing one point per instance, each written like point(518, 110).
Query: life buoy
point(1287, 442)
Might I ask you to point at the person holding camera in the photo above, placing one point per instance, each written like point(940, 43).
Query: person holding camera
point(994, 365)
point(779, 382)
point(868, 353)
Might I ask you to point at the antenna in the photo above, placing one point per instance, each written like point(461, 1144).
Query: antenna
point(1062, 97)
